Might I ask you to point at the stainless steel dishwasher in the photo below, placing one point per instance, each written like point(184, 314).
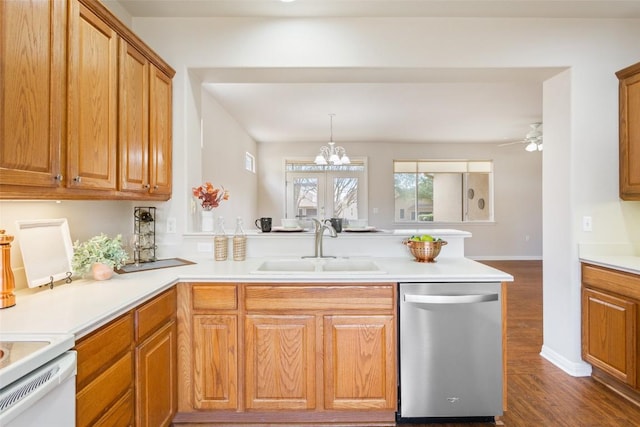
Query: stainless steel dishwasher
point(450, 352)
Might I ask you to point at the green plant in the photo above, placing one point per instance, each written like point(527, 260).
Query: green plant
point(99, 248)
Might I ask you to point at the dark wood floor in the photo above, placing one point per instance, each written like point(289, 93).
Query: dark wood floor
point(538, 392)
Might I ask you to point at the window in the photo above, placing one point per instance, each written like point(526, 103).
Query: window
point(314, 191)
point(443, 190)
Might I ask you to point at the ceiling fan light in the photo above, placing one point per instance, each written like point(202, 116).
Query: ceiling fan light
point(532, 146)
point(540, 147)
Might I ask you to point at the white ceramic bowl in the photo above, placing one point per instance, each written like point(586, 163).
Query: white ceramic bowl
point(289, 223)
point(358, 223)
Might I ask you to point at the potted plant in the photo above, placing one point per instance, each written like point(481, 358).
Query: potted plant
point(100, 255)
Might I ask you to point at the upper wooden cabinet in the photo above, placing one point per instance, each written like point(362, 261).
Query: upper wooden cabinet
point(86, 105)
point(32, 93)
point(145, 124)
point(92, 101)
point(630, 132)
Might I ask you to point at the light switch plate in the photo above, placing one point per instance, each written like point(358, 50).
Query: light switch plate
point(587, 224)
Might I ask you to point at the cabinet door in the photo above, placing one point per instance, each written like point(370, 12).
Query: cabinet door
point(215, 361)
point(280, 362)
point(160, 132)
point(32, 92)
point(630, 134)
point(92, 108)
point(156, 386)
point(133, 119)
point(359, 362)
point(609, 334)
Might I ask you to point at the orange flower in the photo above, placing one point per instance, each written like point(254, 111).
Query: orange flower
point(210, 195)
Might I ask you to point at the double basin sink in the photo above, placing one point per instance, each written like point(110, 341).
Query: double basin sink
point(319, 265)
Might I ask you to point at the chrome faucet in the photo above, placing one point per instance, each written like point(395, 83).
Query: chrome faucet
point(319, 228)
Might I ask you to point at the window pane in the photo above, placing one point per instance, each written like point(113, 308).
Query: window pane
point(405, 196)
point(305, 196)
point(447, 197)
point(425, 197)
point(345, 198)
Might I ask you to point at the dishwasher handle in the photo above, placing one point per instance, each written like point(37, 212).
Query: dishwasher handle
point(450, 299)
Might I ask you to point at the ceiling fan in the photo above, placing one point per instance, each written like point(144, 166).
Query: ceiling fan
point(533, 139)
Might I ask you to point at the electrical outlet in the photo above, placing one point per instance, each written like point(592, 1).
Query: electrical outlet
point(171, 225)
point(587, 224)
point(205, 247)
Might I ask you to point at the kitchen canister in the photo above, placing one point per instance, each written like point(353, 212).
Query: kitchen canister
point(220, 242)
point(7, 298)
point(239, 242)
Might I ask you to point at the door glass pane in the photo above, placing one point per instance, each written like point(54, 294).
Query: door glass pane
point(305, 196)
point(425, 197)
point(345, 198)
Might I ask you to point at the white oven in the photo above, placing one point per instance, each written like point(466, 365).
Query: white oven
point(37, 381)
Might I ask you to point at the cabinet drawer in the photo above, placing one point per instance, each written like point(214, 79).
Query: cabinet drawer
point(622, 283)
point(120, 414)
point(154, 314)
point(215, 297)
point(319, 297)
point(99, 350)
point(102, 393)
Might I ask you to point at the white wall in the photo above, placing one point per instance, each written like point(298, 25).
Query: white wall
point(584, 175)
point(517, 188)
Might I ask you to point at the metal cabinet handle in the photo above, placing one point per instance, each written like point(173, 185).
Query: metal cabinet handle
point(450, 299)
point(58, 177)
point(77, 179)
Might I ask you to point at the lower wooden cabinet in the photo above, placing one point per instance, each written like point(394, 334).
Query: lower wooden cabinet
point(359, 362)
point(127, 368)
point(286, 353)
point(611, 327)
point(280, 352)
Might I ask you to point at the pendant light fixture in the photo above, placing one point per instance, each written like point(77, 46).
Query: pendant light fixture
point(330, 154)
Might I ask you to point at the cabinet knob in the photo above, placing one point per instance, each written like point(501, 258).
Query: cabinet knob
point(155, 187)
point(147, 186)
point(77, 179)
point(58, 178)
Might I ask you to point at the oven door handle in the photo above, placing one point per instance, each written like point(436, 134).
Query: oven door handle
point(450, 299)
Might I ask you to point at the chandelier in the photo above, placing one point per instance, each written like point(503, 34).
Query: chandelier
point(330, 154)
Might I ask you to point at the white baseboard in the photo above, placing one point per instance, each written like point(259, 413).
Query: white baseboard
point(575, 369)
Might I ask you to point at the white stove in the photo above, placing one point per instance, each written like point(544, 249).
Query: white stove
point(37, 380)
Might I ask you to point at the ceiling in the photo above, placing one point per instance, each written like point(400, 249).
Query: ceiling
point(381, 105)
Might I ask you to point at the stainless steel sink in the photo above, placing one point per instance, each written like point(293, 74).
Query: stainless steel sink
point(319, 266)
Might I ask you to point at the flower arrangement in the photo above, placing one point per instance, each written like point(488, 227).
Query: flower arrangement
point(211, 196)
point(101, 249)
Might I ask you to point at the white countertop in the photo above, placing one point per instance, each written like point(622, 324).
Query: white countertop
point(628, 263)
point(84, 305)
point(618, 256)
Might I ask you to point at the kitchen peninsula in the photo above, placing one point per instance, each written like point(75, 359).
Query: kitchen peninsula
point(229, 313)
